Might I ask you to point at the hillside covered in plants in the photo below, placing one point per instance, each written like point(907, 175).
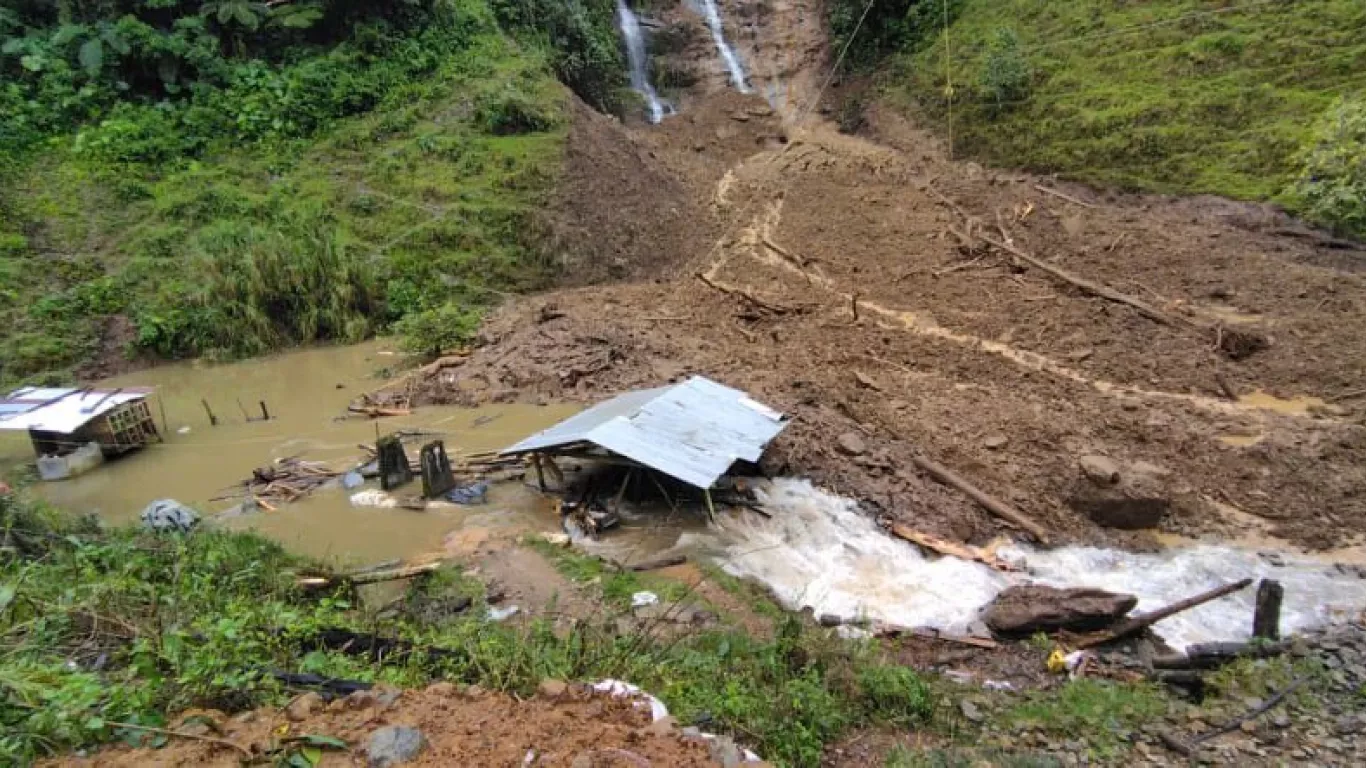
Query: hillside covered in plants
point(1252, 100)
point(185, 178)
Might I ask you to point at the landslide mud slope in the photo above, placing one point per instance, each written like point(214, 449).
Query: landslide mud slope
point(848, 284)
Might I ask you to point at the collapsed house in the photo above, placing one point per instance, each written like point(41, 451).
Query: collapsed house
point(74, 430)
point(695, 432)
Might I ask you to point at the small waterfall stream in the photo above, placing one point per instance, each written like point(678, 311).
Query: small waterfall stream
point(635, 56)
point(737, 72)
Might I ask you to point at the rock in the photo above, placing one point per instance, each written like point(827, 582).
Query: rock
point(995, 442)
point(442, 689)
point(394, 745)
point(1118, 510)
point(386, 695)
point(582, 760)
point(830, 620)
point(970, 711)
point(474, 692)
point(552, 689)
point(664, 726)
point(692, 732)
point(361, 700)
point(303, 706)
point(1029, 609)
point(1099, 469)
point(851, 444)
point(169, 516)
point(725, 752)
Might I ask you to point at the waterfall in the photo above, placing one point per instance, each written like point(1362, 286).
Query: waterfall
point(737, 72)
point(635, 56)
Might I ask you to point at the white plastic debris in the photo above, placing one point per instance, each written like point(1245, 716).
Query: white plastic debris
point(998, 685)
point(556, 539)
point(183, 430)
point(642, 599)
point(619, 689)
point(658, 711)
point(373, 497)
point(503, 614)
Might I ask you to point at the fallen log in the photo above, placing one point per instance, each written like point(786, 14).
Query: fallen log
point(1143, 621)
point(324, 581)
point(375, 411)
point(776, 309)
point(658, 563)
point(1215, 655)
point(1188, 747)
point(441, 363)
point(1063, 196)
point(948, 548)
point(990, 503)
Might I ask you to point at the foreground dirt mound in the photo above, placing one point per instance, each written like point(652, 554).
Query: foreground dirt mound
point(564, 726)
point(853, 287)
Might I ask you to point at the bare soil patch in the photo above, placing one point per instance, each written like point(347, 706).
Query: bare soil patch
point(847, 301)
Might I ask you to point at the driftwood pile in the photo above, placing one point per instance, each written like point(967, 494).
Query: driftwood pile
point(283, 481)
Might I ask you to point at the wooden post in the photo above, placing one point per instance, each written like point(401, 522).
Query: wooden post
point(540, 474)
point(245, 416)
point(711, 508)
point(213, 420)
point(265, 414)
point(165, 425)
point(616, 505)
point(1266, 622)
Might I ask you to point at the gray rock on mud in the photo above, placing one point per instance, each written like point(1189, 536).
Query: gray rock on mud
point(1029, 609)
point(394, 745)
point(1126, 498)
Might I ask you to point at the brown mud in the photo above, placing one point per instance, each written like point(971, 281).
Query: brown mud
point(844, 298)
point(462, 726)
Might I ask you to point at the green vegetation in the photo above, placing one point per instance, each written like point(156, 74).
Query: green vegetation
point(1177, 96)
point(233, 177)
point(101, 627)
point(1098, 708)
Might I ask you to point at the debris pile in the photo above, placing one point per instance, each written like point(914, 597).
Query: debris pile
point(283, 481)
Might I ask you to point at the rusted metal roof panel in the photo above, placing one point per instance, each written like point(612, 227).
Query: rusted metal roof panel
point(693, 431)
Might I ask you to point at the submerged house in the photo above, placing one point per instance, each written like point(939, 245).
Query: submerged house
point(74, 430)
point(694, 432)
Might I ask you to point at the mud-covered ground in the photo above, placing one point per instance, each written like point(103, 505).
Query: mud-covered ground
point(847, 284)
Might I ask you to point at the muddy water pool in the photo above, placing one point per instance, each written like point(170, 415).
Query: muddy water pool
point(306, 392)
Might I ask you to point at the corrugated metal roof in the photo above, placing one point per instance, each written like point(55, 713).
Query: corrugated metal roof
point(62, 409)
point(693, 431)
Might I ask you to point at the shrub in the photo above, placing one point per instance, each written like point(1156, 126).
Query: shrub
point(1005, 73)
point(436, 330)
point(1331, 189)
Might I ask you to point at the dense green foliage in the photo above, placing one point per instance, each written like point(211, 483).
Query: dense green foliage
point(232, 177)
point(99, 628)
point(889, 26)
point(1332, 184)
point(1180, 96)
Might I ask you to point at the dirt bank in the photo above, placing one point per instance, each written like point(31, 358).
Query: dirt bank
point(563, 726)
point(958, 351)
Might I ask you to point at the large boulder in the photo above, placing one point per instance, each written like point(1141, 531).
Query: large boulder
point(1128, 497)
point(1029, 609)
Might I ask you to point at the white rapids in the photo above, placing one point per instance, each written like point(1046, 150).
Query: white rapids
point(819, 551)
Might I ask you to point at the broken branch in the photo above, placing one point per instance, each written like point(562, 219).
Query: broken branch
point(944, 547)
point(1146, 620)
point(1187, 747)
point(1063, 196)
point(776, 309)
point(990, 503)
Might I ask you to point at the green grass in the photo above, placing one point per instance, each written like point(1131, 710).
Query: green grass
point(1099, 709)
point(100, 627)
point(429, 201)
point(1178, 96)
